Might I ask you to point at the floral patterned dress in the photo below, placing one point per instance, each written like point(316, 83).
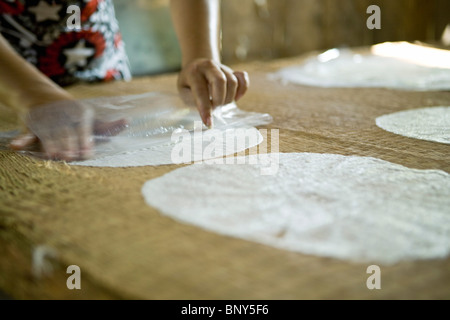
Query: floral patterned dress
point(39, 31)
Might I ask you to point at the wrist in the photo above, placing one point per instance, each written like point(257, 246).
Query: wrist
point(39, 95)
point(199, 58)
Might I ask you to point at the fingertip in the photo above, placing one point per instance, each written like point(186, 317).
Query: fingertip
point(50, 150)
point(204, 108)
point(206, 117)
point(209, 122)
point(123, 122)
point(86, 150)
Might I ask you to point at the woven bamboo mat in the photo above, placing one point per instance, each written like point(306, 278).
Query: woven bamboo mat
point(96, 218)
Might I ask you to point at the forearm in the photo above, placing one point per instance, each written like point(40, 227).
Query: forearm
point(197, 24)
point(22, 86)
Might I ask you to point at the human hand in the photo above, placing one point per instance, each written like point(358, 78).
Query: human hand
point(64, 130)
point(208, 84)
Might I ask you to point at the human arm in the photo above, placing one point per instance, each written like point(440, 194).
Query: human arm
point(55, 119)
point(22, 86)
point(42, 105)
point(203, 79)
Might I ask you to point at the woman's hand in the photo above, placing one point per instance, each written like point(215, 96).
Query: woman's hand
point(64, 129)
point(203, 80)
point(208, 84)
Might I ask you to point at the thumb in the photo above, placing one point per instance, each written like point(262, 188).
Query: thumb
point(23, 141)
point(110, 128)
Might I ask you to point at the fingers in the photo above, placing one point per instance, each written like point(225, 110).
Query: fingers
point(61, 145)
point(85, 143)
point(231, 85)
point(201, 94)
point(68, 144)
point(211, 85)
point(63, 128)
point(243, 84)
point(68, 148)
point(217, 82)
point(50, 148)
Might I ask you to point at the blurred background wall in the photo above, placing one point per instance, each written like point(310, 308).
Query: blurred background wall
point(269, 29)
point(149, 37)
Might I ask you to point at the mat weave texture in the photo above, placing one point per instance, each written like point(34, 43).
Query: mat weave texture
point(96, 218)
